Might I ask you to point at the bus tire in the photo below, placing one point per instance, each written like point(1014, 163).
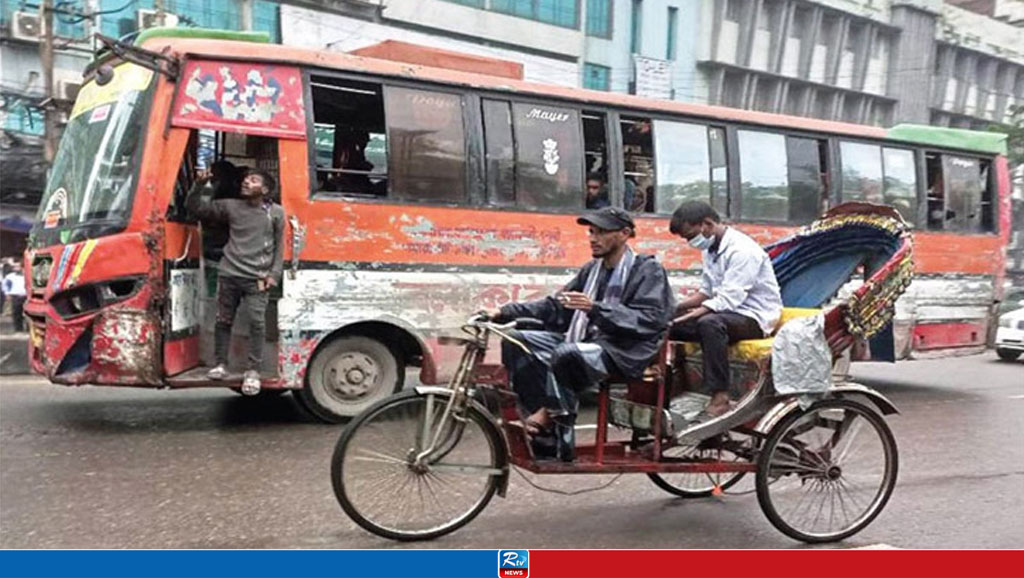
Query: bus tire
point(347, 375)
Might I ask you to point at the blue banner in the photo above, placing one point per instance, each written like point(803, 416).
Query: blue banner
point(249, 563)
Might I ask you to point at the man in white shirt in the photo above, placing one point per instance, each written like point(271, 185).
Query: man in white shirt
point(13, 287)
point(738, 298)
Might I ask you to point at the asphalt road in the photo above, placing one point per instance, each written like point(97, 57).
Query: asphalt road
point(121, 468)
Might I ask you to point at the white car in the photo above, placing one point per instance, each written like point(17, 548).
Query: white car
point(1010, 335)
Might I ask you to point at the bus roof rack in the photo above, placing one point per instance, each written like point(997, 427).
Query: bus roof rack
point(134, 41)
point(954, 138)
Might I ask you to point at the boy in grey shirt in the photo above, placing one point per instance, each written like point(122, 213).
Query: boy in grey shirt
point(251, 265)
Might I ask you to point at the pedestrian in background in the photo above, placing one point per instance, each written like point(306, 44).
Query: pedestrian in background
point(13, 288)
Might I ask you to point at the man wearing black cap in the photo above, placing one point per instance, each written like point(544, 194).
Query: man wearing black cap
point(610, 319)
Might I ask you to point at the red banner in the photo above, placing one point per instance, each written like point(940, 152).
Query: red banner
point(249, 97)
point(774, 564)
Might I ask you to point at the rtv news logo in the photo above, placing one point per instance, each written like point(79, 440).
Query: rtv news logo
point(513, 563)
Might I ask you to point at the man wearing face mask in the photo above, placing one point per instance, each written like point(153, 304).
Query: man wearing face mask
point(738, 298)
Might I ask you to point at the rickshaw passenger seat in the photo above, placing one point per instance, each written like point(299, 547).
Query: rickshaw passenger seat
point(755, 349)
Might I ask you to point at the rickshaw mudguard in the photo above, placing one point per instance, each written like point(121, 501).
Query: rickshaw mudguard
point(503, 449)
point(842, 390)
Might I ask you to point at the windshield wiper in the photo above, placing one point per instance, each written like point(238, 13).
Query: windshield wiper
point(158, 62)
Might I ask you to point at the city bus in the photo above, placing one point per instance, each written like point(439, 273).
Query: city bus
point(415, 195)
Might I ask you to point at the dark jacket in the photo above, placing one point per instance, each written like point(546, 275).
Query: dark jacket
point(630, 331)
point(255, 246)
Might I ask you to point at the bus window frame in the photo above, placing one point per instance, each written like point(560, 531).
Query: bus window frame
point(918, 220)
point(991, 184)
point(476, 171)
point(467, 200)
point(734, 162)
point(469, 132)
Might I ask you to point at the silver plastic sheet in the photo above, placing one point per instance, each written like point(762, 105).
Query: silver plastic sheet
point(801, 359)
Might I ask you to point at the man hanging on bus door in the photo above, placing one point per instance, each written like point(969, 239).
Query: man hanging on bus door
point(251, 266)
point(738, 298)
point(609, 319)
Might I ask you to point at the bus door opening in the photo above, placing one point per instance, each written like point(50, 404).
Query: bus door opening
point(192, 277)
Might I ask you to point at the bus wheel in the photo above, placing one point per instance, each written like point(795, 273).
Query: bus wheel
point(348, 375)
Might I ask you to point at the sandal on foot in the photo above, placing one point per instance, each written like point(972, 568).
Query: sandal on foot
point(536, 429)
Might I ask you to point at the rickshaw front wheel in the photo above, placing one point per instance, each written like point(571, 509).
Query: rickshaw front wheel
point(826, 472)
point(701, 485)
point(385, 484)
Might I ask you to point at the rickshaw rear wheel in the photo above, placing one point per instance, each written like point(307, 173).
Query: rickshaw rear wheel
point(380, 486)
point(835, 461)
point(701, 485)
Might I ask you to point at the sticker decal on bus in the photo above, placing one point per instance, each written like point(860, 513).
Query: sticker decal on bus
point(56, 209)
point(99, 114)
point(256, 98)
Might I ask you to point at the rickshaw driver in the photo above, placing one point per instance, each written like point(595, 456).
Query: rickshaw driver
point(609, 319)
point(738, 298)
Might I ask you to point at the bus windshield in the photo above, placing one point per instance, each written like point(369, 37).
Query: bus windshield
point(94, 173)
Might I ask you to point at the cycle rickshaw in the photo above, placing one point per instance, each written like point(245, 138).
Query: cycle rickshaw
point(426, 461)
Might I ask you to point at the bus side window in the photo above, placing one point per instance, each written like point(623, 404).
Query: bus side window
point(966, 194)
point(638, 164)
point(900, 181)
point(595, 160)
point(719, 170)
point(936, 195)
point(805, 182)
point(862, 172)
point(549, 157)
point(428, 145)
point(499, 151)
point(350, 140)
point(683, 167)
point(764, 176)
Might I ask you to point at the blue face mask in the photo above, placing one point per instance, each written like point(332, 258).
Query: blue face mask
point(700, 242)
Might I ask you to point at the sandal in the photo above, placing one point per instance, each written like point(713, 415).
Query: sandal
point(536, 429)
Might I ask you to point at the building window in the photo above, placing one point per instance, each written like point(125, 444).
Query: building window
point(557, 12)
point(599, 18)
point(596, 77)
point(670, 41)
point(636, 26)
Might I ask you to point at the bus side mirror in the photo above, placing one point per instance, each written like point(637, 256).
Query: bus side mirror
point(104, 74)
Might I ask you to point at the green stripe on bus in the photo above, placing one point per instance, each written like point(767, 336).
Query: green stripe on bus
point(174, 32)
point(954, 138)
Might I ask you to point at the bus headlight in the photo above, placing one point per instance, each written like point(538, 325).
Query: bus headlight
point(88, 298)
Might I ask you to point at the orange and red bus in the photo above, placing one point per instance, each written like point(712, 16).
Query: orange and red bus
point(417, 194)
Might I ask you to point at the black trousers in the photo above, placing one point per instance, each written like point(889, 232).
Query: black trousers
point(714, 332)
point(18, 312)
point(556, 372)
point(231, 292)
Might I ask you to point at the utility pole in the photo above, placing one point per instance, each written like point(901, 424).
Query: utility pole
point(46, 56)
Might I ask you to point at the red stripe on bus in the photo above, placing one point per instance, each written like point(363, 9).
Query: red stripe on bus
point(941, 335)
